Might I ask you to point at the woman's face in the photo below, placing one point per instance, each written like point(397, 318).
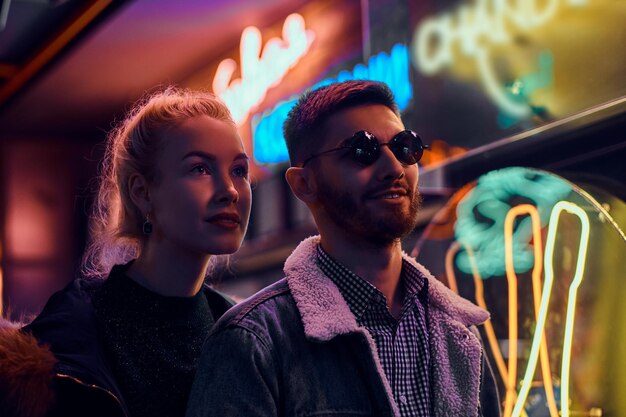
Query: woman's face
point(201, 197)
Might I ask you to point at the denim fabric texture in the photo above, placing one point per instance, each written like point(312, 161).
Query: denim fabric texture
point(295, 349)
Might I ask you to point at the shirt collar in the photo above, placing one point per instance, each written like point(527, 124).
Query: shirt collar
point(360, 294)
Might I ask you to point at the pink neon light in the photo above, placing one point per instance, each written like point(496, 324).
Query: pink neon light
point(260, 71)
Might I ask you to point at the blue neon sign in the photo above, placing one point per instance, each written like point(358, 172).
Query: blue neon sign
point(392, 69)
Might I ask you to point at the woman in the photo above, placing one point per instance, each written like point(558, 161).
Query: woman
point(174, 192)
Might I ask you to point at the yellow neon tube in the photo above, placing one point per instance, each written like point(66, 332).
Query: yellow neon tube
point(572, 295)
point(545, 300)
point(528, 209)
point(491, 334)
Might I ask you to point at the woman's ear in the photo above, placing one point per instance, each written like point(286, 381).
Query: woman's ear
point(139, 192)
point(301, 184)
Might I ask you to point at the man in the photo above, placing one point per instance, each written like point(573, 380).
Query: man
point(357, 327)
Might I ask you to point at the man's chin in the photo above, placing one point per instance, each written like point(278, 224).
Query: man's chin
point(387, 234)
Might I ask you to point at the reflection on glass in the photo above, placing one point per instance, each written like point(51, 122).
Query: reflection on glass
point(543, 256)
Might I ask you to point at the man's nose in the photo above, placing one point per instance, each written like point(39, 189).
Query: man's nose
point(388, 166)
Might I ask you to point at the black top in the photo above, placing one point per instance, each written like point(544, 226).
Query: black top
point(84, 383)
point(152, 343)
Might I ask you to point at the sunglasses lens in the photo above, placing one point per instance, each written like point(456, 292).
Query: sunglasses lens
point(365, 148)
point(407, 146)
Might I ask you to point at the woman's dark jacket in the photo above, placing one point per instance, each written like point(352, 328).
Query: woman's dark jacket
point(82, 381)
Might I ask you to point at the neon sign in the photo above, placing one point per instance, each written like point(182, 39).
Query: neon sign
point(545, 300)
point(552, 333)
point(509, 374)
point(491, 199)
point(260, 71)
point(515, 402)
point(515, 212)
point(392, 69)
point(475, 27)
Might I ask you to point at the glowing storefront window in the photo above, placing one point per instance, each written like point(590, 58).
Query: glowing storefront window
point(490, 199)
point(476, 27)
point(565, 311)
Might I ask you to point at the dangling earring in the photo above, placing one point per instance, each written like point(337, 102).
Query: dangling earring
point(147, 226)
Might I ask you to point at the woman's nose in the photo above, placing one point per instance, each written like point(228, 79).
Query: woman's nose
point(226, 190)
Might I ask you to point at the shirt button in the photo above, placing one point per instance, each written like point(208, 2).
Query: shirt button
point(403, 399)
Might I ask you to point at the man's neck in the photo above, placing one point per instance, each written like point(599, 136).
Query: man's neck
point(380, 265)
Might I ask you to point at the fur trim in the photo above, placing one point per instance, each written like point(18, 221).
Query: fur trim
point(447, 300)
point(456, 367)
point(456, 351)
point(326, 314)
point(26, 373)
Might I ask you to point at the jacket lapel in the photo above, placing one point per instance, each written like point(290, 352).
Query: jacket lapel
point(455, 351)
point(326, 314)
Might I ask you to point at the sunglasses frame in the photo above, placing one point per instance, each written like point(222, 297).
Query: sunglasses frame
point(371, 136)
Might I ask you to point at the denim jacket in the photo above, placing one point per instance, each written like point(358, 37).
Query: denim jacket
point(295, 349)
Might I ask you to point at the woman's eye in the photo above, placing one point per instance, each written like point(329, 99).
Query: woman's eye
point(240, 171)
point(200, 170)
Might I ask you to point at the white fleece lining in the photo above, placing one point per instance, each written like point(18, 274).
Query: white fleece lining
point(325, 314)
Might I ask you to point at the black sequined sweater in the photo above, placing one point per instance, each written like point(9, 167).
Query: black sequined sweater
point(152, 343)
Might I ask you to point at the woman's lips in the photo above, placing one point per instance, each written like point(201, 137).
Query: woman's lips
point(225, 220)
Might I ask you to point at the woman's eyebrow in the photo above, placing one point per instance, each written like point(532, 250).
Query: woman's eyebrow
point(201, 154)
point(212, 157)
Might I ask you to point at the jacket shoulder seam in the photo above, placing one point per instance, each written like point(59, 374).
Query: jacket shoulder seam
point(260, 299)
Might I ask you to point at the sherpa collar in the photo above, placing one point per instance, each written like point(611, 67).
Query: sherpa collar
point(324, 312)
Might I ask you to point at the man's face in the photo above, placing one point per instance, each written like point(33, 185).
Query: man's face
point(379, 202)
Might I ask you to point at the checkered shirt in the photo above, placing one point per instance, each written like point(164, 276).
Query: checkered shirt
point(402, 344)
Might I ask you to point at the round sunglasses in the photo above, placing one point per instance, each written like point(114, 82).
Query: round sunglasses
point(364, 147)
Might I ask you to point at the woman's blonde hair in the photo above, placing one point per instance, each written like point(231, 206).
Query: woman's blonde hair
point(115, 226)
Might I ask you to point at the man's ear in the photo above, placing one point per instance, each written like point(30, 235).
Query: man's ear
point(302, 184)
point(139, 192)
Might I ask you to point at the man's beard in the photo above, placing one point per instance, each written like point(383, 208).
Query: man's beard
point(380, 227)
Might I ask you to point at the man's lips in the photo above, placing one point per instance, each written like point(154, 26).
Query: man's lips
point(388, 194)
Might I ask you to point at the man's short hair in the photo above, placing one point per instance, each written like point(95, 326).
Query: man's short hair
point(304, 126)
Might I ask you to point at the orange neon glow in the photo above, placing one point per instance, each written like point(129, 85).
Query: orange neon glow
point(513, 330)
point(439, 152)
point(480, 300)
point(545, 301)
point(454, 248)
point(514, 212)
point(514, 401)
